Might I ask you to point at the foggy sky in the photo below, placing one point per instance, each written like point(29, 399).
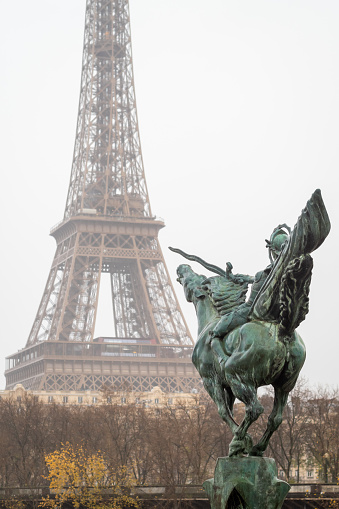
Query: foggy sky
point(238, 114)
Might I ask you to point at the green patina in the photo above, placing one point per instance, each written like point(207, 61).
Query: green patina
point(245, 344)
point(241, 483)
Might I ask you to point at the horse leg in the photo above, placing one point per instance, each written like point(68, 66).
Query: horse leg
point(224, 399)
point(218, 350)
point(245, 392)
point(274, 421)
point(229, 398)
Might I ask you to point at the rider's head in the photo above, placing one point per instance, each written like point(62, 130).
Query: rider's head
point(277, 240)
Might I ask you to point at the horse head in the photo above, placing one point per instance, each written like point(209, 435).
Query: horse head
point(191, 283)
point(197, 291)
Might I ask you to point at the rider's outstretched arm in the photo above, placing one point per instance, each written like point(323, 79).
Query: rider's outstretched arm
point(244, 278)
point(237, 278)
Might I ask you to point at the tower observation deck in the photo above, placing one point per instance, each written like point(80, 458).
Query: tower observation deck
point(108, 227)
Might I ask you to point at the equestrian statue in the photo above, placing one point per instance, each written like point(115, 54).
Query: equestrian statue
point(244, 343)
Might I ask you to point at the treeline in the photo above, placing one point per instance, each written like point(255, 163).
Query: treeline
point(168, 446)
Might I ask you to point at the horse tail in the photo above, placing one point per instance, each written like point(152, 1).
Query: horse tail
point(294, 291)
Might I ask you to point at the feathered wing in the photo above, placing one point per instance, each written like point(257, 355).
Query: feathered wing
point(308, 234)
point(294, 291)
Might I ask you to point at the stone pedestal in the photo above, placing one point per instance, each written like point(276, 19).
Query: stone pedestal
point(246, 483)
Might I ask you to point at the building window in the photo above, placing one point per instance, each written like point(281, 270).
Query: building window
point(50, 399)
point(80, 399)
point(123, 400)
point(137, 400)
point(170, 401)
point(65, 399)
point(156, 401)
point(282, 473)
point(18, 399)
point(309, 473)
point(94, 399)
point(109, 399)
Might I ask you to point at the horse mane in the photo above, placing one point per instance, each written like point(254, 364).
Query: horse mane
point(225, 294)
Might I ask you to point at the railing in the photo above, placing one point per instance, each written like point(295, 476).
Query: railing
point(108, 216)
point(55, 349)
point(56, 226)
point(188, 491)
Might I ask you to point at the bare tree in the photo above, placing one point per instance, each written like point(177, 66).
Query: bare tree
point(171, 446)
point(22, 425)
point(323, 432)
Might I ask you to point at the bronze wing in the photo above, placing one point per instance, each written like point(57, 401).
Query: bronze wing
point(308, 234)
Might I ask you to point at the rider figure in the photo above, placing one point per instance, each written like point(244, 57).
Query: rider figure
point(240, 315)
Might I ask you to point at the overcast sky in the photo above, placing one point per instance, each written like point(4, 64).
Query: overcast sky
point(239, 118)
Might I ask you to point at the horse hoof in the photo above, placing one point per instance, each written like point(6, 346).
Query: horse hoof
point(236, 448)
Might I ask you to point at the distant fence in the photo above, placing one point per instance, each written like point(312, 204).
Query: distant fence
point(300, 496)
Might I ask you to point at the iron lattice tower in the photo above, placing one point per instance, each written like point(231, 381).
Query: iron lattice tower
point(108, 226)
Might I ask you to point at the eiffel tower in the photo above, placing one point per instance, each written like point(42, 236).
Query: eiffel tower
point(108, 227)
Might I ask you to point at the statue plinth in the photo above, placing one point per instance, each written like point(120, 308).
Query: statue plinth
point(246, 483)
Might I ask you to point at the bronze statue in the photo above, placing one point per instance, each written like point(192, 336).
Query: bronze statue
point(240, 315)
point(245, 344)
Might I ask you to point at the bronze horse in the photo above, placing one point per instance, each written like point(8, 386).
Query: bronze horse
point(266, 350)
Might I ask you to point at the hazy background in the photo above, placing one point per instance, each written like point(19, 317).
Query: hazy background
point(238, 114)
